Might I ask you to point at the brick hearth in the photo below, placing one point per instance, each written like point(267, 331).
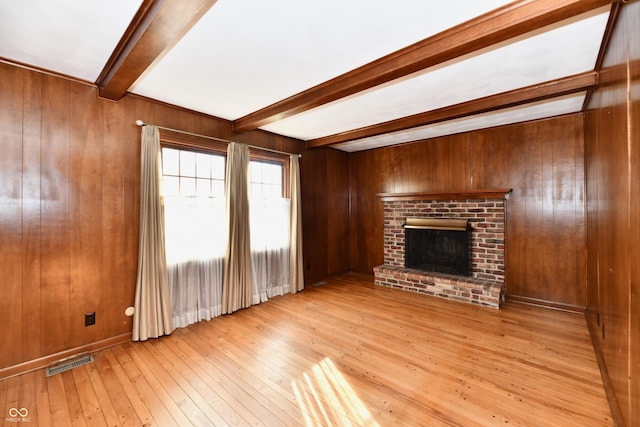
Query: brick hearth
point(487, 220)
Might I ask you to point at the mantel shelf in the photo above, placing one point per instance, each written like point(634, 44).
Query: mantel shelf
point(498, 193)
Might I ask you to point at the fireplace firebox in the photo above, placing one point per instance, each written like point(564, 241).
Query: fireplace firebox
point(438, 245)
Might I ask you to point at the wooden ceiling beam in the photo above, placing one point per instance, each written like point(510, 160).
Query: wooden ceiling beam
point(533, 93)
point(511, 20)
point(154, 30)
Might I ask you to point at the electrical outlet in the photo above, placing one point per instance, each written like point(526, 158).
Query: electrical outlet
point(90, 318)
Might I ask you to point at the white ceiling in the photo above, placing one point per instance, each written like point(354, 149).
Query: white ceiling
point(70, 37)
point(536, 110)
point(244, 55)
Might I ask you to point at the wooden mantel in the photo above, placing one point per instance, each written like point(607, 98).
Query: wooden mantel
point(497, 193)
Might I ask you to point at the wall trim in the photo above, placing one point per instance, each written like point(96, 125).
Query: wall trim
point(546, 304)
point(43, 362)
point(616, 413)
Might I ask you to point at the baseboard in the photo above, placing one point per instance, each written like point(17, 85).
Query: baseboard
point(43, 362)
point(616, 413)
point(546, 304)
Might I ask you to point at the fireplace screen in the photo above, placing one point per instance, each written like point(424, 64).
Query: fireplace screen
point(438, 245)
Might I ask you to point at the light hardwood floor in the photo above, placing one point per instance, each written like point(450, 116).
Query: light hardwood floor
point(346, 353)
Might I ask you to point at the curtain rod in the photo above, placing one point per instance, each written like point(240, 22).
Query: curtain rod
point(141, 123)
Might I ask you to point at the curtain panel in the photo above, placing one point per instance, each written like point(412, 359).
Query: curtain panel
point(237, 287)
point(152, 317)
point(296, 275)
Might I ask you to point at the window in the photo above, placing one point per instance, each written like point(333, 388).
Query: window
point(192, 174)
point(193, 186)
point(266, 179)
point(199, 174)
point(269, 209)
point(196, 230)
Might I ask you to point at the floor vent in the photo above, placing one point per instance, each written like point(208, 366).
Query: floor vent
point(68, 364)
point(322, 283)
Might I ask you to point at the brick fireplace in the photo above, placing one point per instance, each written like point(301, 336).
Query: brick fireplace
point(485, 212)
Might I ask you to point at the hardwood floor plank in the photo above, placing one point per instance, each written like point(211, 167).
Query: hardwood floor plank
point(391, 342)
point(245, 375)
point(236, 414)
point(91, 408)
point(57, 400)
point(117, 390)
point(140, 394)
point(204, 397)
point(136, 367)
point(261, 391)
point(191, 403)
point(310, 358)
point(354, 356)
point(27, 397)
point(43, 409)
point(3, 399)
point(230, 381)
point(9, 396)
point(103, 399)
point(346, 353)
point(284, 351)
point(73, 400)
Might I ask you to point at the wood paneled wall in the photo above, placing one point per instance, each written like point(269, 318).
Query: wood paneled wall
point(69, 187)
point(612, 141)
point(543, 161)
point(325, 213)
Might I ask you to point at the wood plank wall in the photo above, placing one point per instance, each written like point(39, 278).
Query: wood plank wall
point(613, 215)
point(325, 212)
point(543, 161)
point(69, 190)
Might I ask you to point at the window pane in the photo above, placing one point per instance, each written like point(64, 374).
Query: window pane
point(217, 188)
point(255, 170)
point(267, 191)
point(170, 161)
point(217, 167)
point(256, 190)
point(266, 179)
point(187, 163)
point(276, 191)
point(273, 173)
point(171, 185)
point(187, 186)
point(203, 187)
point(203, 165)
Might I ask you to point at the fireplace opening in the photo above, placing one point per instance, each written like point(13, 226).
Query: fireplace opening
point(438, 245)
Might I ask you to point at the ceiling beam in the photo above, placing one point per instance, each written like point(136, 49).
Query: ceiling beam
point(604, 46)
point(512, 98)
point(154, 30)
point(511, 20)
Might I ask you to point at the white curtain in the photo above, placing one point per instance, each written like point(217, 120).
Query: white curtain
point(196, 243)
point(269, 248)
point(152, 316)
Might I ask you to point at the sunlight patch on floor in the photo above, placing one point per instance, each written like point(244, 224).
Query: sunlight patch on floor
point(326, 398)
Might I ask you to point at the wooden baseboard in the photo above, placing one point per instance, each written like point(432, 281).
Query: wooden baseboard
point(43, 362)
point(546, 304)
point(616, 413)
